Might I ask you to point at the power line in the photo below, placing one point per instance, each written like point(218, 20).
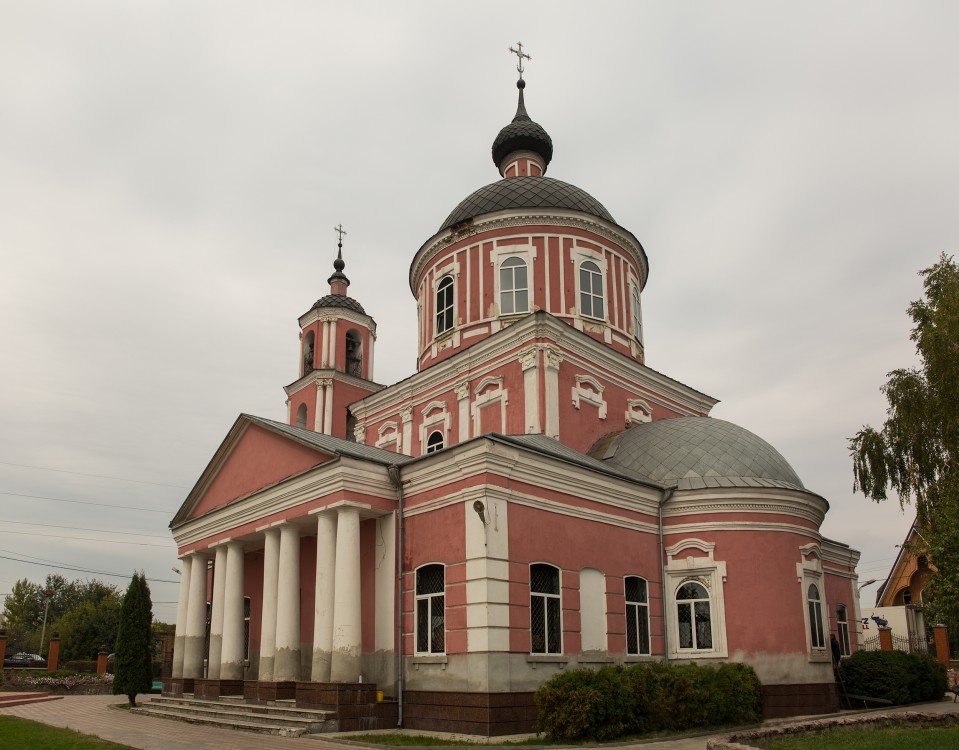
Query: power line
point(85, 502)
point(80, 528)
point(95, 476)
point(83, 570)
point(84, 539)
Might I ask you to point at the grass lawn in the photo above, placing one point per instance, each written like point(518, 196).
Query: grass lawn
point(889, 738)
point(16, 733)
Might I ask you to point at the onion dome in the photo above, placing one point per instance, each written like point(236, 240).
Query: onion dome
point(522, 134)
point(338, 285)
point(695, 453)
point(526, 192)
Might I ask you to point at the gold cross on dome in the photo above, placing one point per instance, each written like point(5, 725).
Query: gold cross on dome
point(520, 56)
point(340, 231)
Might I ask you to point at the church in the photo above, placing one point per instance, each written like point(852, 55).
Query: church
point(534, 498)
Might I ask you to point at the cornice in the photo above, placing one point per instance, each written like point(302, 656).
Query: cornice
point(326, 373)
point(508, 218)
point(341, 313)
point(748, 500)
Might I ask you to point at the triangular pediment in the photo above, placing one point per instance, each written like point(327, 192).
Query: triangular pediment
point(254, 455)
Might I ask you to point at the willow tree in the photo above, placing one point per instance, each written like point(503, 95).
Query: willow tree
point(916, 453)
point(133, 660)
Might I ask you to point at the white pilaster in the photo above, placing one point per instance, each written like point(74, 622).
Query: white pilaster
point(323, 608)
point(325, 344)
point(553, 360)
point(463, 399)
point(195, 639)
point(182, 604)
point(406, 414)
point(529, 361)
point(271, 566)
point(345, 661)
point(286, 664)
point(233, 654)
point(216, 615)
point(319, 411)
point(328, 408)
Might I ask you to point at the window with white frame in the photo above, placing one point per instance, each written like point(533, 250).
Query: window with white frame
point(694, 615)
point(817, 638)
point(637, 615)
point(444, 305)
point(430, 609)
point(637, 315)
point(434, 442)
point(591, 290)
point(544, 609)
point(842, 624)
point(513, 286)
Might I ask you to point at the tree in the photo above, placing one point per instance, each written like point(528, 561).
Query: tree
point(87, 626)
point(916, 453)
point(23, 614)
point(132, 664)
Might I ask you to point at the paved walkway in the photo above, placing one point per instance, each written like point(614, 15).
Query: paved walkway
point(90, 714)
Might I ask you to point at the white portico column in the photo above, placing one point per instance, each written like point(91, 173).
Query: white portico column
point(233, 656)
point(195, 637)
point(286, 663)
point(271, 566)
point(323, 607)
point(345, 661)
point(182, 603)
point(216, 615)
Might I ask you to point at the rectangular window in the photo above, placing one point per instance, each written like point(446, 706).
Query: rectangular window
point(637, 616)
point(544, 606)
point(430, 610)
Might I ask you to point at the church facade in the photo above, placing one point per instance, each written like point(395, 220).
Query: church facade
point(534, 498)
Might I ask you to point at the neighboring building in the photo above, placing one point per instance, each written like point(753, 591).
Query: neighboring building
point(533, 498)
point(899, 601)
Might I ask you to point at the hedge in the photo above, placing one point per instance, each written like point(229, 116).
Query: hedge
point(616, 701)
point(895, 676)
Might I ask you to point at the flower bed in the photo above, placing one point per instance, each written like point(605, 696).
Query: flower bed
point(58, 684)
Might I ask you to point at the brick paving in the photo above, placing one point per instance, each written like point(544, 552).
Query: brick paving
point(91, 714)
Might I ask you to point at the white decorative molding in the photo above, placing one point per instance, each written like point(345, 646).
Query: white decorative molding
point(638, 412)
point(389, 435)
point(359, 433)
point(462, 390)
point(488, 392)
point(435, 416)
point(711, 574)
point(588, 389)
point(528, 358)
point(406, 413)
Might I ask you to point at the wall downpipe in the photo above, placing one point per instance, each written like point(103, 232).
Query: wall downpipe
point(667, 493)
point(393, 470)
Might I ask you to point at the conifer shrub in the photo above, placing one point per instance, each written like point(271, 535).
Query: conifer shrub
point(583, 704)
point(132, 666)
point(894, 676)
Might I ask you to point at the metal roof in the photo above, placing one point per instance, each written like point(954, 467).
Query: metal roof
point(696, 453)
point(339, 300)
point(526, 192)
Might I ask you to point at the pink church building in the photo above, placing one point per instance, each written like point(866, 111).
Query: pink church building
point(534, 498)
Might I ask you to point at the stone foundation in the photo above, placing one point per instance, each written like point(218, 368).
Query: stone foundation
point(216, 688)
point(485, 714)
point(804, 699)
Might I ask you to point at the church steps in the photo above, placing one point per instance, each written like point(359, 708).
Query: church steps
point(228, 714)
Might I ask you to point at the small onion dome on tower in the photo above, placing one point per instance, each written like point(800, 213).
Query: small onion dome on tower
point(338, 285)
point(522, 138)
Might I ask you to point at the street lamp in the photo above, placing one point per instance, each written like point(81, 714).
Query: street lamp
point(861, 586)
point(47, 595)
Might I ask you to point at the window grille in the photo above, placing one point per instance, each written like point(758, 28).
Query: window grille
point(842, 625)
point(430, 610)
point(695, 623)
point(544, 604)
point(444, 305)
point(817, 638)
point(637, 616)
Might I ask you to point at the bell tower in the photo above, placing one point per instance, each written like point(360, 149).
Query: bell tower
point(337, 338)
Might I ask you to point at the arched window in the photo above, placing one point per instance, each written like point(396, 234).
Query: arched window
point(907, 597)
point(350, 426)
point(444, 305)
point(544, 609)
point(513, 286)
point(308, 351)
point(434, 442)
point(817, 638)
point(694, 617)
point(637, 316)
point(842, 623)
point(301, 416)
point(354, 354)
point(430, 610)
point(637, 615)
point(590, 290)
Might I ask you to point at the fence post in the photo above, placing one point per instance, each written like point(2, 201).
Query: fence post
point(53, 653)
point(3, 647)
point(885, 639)
point(941, 639)
point(102, 661)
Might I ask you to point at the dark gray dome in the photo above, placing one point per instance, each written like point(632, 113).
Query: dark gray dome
point(522, 134)
point(526, 192)
point(696, 452)
point(339, 300)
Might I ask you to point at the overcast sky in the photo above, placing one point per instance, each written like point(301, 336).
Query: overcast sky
point(170, 174)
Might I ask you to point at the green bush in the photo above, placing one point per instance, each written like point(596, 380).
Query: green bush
point(894, 676)
point(617, 701)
